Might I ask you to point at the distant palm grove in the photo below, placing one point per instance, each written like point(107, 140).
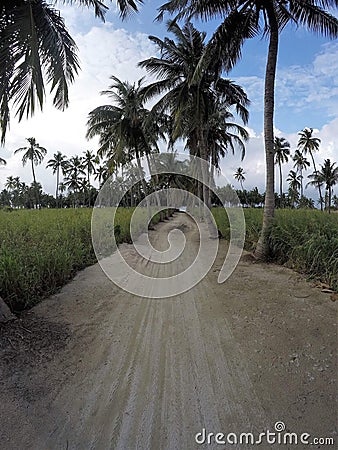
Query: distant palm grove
point(193, 99)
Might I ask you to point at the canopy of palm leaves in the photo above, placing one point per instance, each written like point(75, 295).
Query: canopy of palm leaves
point(36, 49)
point(126, 129)
point(242, 20)
point(193, 93)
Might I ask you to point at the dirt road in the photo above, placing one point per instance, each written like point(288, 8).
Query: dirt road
point(115, 371)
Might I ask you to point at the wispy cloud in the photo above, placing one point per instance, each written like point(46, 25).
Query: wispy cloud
point(301, 87)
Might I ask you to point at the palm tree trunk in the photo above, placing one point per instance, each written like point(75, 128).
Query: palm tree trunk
point(330, 195)
point(144, 186)
point(319, 190)
point(281, 185)
point(262, 249)
point(57, 186)
point(301, 182)
point(157, 196)
point(33, 171)
point(35, 187)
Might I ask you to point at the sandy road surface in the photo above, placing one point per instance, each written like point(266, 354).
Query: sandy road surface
point(134, 373)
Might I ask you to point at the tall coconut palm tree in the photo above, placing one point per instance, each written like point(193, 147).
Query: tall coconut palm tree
point(126, 129)
point(329, 176)
point(239, 176)
point(75, 167)
point(192, 104)
point(315, 180)
point(35, 154)
point(36, 49)
point(75, 175)
point(309, 144)
point(294, 185)
point(282, 153)
point(58, 163)
point(101, 174)
point(241, 20)
point(301, 163)
point(89, 161)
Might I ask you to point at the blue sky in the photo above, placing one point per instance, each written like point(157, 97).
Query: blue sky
point(306, 90)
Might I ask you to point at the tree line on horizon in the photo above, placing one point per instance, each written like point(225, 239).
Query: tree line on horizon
point(74, 187)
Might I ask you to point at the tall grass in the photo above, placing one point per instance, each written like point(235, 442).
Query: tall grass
point(305, 240)
point(41, 250)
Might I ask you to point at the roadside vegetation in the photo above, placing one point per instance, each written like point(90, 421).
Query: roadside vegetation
point(41, 250)
point(305, 240)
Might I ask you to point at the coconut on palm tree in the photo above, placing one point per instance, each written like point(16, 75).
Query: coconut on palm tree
point(242, 20)
point(3, 162)
point(301, 163)
point(58, 163)
point(309, 144)
point(37, 49)
point(282, 153)
point(35, 154)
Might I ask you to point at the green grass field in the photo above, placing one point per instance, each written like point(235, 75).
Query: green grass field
point(41, 250)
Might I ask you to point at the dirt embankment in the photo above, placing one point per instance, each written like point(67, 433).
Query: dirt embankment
point(94, 367)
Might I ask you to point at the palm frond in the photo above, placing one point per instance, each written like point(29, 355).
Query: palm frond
point(315, 18)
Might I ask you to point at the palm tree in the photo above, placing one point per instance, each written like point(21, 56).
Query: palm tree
point(58, 163)
point(36, 47)
point(192, 105)
point(75, 167)
point(126, 129)
point(74, 177)
point(89, 161)
point(35, 154)
point(15, 187)
point(239, 176)
point(309, 144)
point(294, 185)
point(102, 174)
point(301, 163)
point(243, 20)
point(10, 183)
point(329, 176)
point(282, 153)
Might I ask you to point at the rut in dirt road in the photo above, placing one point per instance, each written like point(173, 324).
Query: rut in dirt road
point(149, 374)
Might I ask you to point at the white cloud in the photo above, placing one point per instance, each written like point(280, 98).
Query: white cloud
point(103, 51)
point(301, 87)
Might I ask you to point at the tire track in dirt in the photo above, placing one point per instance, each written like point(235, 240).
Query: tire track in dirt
point(150, 374)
